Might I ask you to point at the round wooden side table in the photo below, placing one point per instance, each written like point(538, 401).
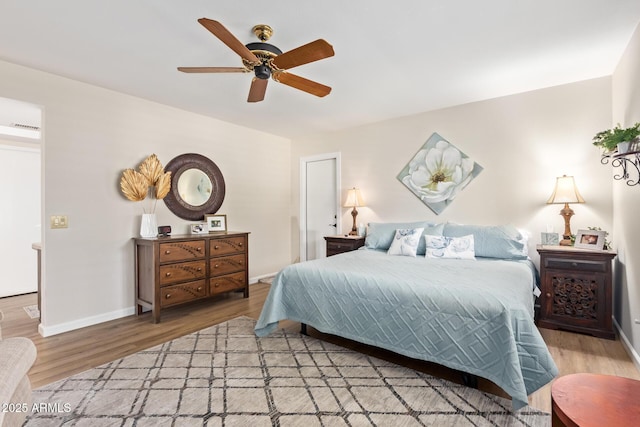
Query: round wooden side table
point(595, 400)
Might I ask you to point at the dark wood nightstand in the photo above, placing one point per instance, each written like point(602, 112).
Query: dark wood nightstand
point(339, 244)
point(576, 290)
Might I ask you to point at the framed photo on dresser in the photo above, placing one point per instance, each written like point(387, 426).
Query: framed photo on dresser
point(216, 222)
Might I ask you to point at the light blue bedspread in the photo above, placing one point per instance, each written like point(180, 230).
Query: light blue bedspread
point(473, 316)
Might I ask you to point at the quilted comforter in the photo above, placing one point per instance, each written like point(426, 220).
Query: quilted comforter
point(473, 316)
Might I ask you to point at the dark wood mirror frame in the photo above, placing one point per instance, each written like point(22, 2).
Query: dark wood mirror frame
point(174, 201)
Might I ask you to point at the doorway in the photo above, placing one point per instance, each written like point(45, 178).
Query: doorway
point(20, 184)
point(319, 203)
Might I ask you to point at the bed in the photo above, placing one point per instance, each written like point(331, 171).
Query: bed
point(473, 315)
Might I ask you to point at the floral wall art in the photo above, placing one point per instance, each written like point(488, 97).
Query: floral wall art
point(438, 172)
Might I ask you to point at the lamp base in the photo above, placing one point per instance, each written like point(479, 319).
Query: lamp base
point(565, 242)
point(354, 229)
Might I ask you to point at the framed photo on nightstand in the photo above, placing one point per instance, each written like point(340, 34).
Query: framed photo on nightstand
point(590, 239)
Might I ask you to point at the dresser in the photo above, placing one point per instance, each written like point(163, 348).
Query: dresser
point(339, 244)
point(576, 290)
point(178, 269)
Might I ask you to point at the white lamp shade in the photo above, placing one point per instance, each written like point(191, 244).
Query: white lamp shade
point(354, 199)
point(565, 191)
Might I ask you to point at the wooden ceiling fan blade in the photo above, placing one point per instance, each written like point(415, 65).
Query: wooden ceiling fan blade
point(213, 69)
point(306, 85)
point(257, 90)
point(304, 54)
point(225, 36)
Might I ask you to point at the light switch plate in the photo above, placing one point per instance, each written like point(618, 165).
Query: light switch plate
point(59, 221)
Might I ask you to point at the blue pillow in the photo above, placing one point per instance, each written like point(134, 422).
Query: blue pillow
point(381, 234)
point(491, 241)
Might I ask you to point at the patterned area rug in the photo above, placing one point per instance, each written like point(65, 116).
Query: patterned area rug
point(226, 376)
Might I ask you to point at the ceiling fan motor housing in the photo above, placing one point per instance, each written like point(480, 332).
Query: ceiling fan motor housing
point(264, 51)
point(262, 71)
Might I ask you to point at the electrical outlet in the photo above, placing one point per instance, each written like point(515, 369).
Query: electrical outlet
point(59, 221)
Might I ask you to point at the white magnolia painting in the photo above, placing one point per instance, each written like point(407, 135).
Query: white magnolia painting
point(438, 172)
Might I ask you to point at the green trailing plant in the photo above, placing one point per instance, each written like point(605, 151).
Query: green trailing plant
point(609, 139)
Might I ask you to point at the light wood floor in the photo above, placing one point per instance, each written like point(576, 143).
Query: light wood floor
point(65, 354)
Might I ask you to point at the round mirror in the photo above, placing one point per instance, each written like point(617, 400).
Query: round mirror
point(194, 187)
point(197, 187)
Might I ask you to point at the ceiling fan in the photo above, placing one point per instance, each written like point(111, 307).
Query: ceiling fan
point(266, 60)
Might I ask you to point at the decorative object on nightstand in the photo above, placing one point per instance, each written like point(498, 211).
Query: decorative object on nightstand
point(340, 244)
point(549, 239)
point(576, 290)
point(565, 192)
point(354, 200)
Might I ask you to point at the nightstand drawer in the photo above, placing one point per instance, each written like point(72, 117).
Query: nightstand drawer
point(575, 264)
point(339, 246)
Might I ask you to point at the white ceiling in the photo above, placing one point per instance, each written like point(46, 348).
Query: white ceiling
point(392, 59)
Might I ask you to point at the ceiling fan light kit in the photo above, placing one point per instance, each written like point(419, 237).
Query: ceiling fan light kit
point(266, 60)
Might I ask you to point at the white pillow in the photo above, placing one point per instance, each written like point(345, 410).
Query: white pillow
point(450, 247)
point(405, 242)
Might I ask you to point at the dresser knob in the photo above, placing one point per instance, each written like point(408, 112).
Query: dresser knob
point(167, 296)
point(167, 252)
point(217, 285)
point(548, 295)
point(240, 244)
point(574, 264)
point(199, 288)
point(216, 247)
point(199, 269)
point(216, 266)
point(199, 249)
point(168, 274)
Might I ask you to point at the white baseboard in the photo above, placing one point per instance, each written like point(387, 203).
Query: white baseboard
point(47, 331)
point(627, 345)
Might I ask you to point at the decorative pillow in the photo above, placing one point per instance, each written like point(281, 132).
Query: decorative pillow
point(450, 247)
point(381, 234)
point(491, 241)
point(405, 242)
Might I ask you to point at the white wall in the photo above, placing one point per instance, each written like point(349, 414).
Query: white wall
point(90, 135)
point(626, 202)
point(19, 217)
point(523, 142)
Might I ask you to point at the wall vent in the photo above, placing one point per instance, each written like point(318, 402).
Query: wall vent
point(23, 126)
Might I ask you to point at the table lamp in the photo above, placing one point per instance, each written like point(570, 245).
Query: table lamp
point(354, 199)
point(565, 192)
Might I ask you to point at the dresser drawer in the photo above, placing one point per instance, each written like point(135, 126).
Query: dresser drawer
point(226, 264)
point(180, 272)
point(182, 251)
point(224, 246)
point(227, 283)
point(183, 292)
point(575, 264)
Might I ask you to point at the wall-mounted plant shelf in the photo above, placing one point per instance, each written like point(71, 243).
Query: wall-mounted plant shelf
point(629, 164)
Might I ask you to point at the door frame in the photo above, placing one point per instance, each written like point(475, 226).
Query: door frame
point(303, 197)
